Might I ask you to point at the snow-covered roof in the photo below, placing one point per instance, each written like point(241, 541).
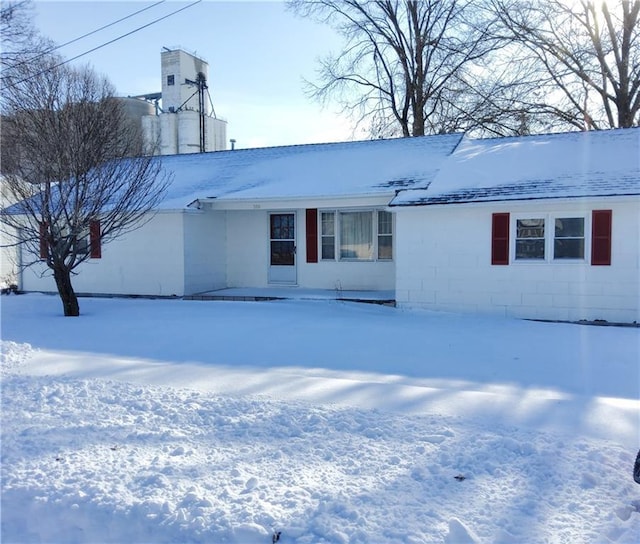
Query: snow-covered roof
point(568, 165)
point(334, 170)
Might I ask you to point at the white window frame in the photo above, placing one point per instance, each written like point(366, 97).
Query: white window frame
point(337, 214)
point(549, 236)
point(380, 235)
point(322, 236)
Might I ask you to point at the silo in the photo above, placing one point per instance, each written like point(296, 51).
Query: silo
point(135, 108)
point(151, 134)
point(188, 132)
point(169, 134)
point(216, 134)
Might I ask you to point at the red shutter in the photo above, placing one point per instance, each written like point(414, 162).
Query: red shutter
point(94, 239)
point(601, 237)
point(43, 241)
point(312, 235)
point(500, 238)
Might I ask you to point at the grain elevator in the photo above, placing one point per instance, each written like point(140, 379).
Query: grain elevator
point(184, 120)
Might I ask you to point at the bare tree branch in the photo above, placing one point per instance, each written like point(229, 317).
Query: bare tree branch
point(403, 59)
point(588, 54)
point(72, 160)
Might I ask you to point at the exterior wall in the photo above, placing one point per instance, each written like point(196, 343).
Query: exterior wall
point(147, 261)
point(247, 248)
point(444, 263)
point(9, 254)
point(204, 252)
point(347, 275)
point(9, 258)
point(248, 258)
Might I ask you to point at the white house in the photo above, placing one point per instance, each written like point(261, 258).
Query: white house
point(540, 227)
point(310, 216)
point(544, 227)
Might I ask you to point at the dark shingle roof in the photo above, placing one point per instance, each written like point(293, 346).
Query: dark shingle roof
point(334, 170)
point(569, 165)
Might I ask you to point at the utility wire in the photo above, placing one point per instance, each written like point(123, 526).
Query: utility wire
point(104, 44)
point(55, 48)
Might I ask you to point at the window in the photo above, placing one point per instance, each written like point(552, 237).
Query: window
point(530, 239)
point(328, 235)
point(362, 235)
point(385, 236)
point(82, 244)
point(171, 79)
point(88, 242)
point(568, 242)
point(356, 236)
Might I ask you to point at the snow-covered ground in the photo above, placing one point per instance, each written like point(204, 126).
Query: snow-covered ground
point(158, 421)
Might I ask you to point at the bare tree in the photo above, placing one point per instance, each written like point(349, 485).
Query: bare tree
point(76, 167)
point(405, 63)
point(20, 41)
point(587, 54)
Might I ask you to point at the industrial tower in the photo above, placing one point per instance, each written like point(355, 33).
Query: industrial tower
point(186, 120)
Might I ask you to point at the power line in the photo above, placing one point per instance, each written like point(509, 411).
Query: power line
point(105, 44)
point(55, 48)
point(110, 24)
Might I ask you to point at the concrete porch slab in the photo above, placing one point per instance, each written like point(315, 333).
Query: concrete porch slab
point(295, 293)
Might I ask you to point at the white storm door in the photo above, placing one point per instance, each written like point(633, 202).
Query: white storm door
point(282, 248)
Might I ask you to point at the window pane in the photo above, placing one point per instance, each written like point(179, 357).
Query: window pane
point(530, 249)
point(356, 237)
point(530, 228)
point(282, 226)
point(282, 253)
point(572, 227)
point(328, 247)
point(568, 248)
point(82, 245)
point(530, 239)
point(385, 247)
point(384, 223)
point(328, 224)
point(569, 238)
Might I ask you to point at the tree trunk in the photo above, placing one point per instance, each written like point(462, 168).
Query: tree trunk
point(66, 292)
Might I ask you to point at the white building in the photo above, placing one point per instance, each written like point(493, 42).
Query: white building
point(186, 122)
point(9, 253)
point(542, 227)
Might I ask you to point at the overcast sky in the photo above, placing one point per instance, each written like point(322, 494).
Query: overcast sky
point(258, 53)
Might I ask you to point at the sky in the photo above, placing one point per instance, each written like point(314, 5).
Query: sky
point(157, 421)
point(259, 56)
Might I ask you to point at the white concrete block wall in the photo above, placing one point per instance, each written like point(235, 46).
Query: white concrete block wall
point(248, 258)
point(247, 248)
point(147, 261)
point(205, 252)
point(346, 275)
point(443, 262)
point(9, 258)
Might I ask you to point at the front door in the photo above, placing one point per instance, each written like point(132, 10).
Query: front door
point(282, 248)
